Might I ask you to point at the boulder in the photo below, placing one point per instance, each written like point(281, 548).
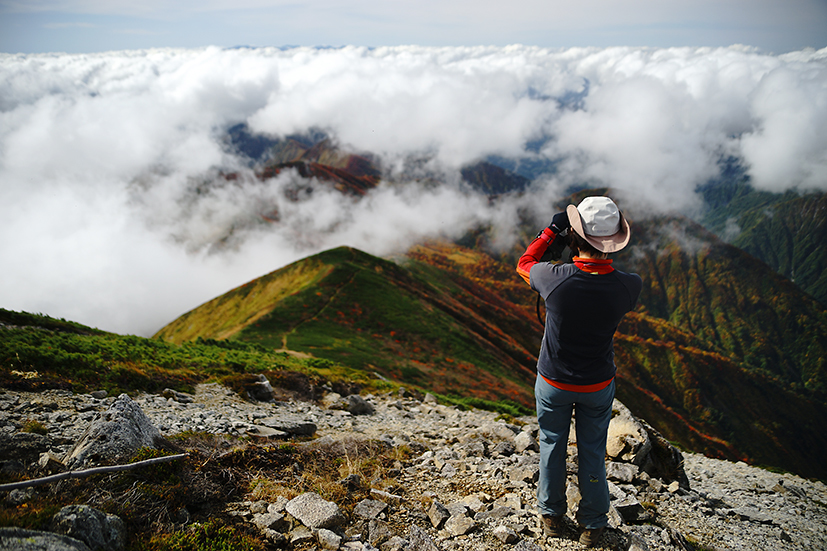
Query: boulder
point(369, 508)
point(315, 512)
point(627, 439)
point(328, 539)
point(438, 514)
point(459, 525)
point(25, 447)
point(18, 539)
point(505, 534)
point(180, 397)
point(91, 526)
point(633, 440)
point(260, 390)
point(357, 405)
point(524, 441)
point(115, 435)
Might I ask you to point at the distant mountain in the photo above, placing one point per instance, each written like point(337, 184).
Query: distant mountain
point(787, 231)
point(491, 179)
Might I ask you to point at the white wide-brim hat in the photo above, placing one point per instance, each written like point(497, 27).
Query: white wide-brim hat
point(600, 222)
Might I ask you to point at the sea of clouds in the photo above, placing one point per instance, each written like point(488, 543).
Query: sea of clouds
point(106, 219)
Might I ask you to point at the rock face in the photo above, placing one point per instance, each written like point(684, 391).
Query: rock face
point(114, 435)
point(18, 539)
point(95, 528)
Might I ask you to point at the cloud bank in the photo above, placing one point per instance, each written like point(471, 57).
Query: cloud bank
point(106, 218)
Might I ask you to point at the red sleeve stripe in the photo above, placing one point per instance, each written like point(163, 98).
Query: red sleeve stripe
point(534, 253)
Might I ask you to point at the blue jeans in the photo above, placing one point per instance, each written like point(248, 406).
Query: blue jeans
point(592, 411)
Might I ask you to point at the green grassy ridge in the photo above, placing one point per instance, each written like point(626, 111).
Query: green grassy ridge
point(33, 357)
point(25, 319)
point(226, 315)
point(373, 314)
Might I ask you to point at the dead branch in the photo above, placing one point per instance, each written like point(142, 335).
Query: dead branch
point(88, 472)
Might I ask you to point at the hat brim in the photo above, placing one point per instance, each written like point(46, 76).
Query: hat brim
point(608, 244)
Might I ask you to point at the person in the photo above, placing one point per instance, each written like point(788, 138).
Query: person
point(585, 301)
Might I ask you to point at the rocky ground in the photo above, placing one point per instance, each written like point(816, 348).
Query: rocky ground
point(470, 483)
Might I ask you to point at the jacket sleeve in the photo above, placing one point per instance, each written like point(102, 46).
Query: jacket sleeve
point(534, 253)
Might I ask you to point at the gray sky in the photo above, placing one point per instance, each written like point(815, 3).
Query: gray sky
point(78, 26)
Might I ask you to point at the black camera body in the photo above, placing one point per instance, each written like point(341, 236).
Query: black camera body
point(558, 249)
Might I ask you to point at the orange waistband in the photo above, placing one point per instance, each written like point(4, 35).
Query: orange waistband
point(579, 388)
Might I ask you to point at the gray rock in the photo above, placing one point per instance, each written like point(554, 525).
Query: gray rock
point(627, 439)
point(459, 525)
point(290, 424)
point(503, 431)
point(328, 539)
point(358, 405)
point(396, 543)
point(526, 545)
point(622, 472)
point(266, 432)
point(369, 508)
point(314, 512)
point(630, 509)
point(18, 539)
point(438, 514)
point(503, 449)
point(115, 435)
point(19, 496)
point(379, 532)
point(94, 528)
point(458, 509)
point(505, 534)
point(495, 513)
point(273, 521)
point(301, 534)
point(260, 390)
point(524, 441)
point(753, 514)
point(25, 447)
point(632, 440)
point(419, 540)
point(180, 397)
point(99, 394)
point(386, 496)
point(527, 473)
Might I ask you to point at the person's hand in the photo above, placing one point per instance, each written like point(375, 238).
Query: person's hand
point(560, 222)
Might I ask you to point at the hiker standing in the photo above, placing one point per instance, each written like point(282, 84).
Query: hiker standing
point(585, 302)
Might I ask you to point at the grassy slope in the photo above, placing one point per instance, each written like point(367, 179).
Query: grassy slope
point(39, 352)
point(414, 324)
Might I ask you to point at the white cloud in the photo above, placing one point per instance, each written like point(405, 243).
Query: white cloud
point(111, 200)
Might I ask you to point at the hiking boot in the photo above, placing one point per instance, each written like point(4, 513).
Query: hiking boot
point(590, 536)
point(554, 527)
